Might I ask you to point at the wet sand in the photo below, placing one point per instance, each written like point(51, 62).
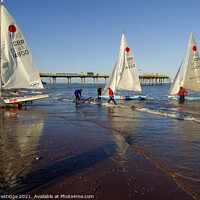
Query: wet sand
point(113, 179)
point(83, 157)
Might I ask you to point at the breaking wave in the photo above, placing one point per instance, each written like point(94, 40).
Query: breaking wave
point(161, 112)
point(178, 116)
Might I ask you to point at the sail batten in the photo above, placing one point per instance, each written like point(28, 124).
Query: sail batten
point(18, 69)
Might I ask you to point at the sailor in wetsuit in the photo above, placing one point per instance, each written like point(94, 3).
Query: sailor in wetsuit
point(99, 91)
point(111, 96)
point(78, 94)
point(181, 94)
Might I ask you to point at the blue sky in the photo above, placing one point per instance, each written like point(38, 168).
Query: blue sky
point(84, 35)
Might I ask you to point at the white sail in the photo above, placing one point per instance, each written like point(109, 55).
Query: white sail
point(176, 83)
point(112, 80)
point(128, 78)
point(18, 69)
point(191, 78)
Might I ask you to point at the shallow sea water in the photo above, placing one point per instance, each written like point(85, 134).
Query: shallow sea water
point(165, 132)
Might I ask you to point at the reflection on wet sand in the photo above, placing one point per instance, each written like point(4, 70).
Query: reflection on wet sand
point(19, 137)
point(123, 124)
point(187, 176)
point(180, 152)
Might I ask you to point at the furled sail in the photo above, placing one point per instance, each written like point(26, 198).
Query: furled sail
point(18, 69)
point(191, 78)
point(128, 78)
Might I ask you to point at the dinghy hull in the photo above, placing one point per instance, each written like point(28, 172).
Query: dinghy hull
point(187, 97)
point(21, 100)
point(117, 97)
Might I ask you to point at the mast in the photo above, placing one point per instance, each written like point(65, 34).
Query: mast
point(0, 49)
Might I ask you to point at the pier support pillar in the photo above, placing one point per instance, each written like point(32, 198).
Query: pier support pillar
point(69, 82)
point(49, 82)
point(54, 82)
point(83, 81)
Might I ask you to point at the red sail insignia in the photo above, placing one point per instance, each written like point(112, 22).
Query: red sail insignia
point(194, 48)
point(12, 28)
point(127, 49)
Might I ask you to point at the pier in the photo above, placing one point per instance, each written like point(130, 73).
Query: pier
point(70, 76)
point(153, 79)
point(145, 79)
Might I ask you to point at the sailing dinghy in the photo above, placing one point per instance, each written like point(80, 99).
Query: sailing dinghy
point(17, 67)
point(191, 77)
point(124, 75)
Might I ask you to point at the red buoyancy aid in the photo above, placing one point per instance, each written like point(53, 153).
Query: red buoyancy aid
point(182, 91)
point(111, 93)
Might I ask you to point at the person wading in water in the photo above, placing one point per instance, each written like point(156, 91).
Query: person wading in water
point(77, 94)
point(99, 91)
point(181, 94)
point(111, 96)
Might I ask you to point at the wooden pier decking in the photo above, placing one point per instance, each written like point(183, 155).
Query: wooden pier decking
point(145, 79)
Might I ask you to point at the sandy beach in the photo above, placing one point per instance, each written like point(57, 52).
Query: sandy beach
point(113, 179)
point(87, 161)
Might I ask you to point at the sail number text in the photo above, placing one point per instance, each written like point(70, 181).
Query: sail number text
point(130, 63)
point(195, 67)
point(18, 42)
point(129, 58)
point(195, 64)
point(20, 53)
point(196, 58)
point(129, 66)
point(21, 48)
